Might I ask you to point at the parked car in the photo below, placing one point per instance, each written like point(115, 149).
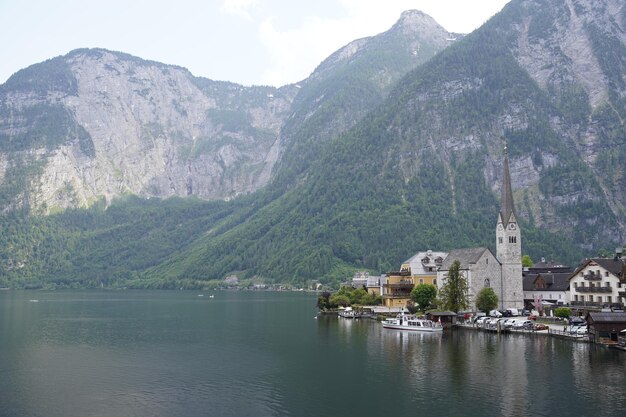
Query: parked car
point(525, 312)
point(509, 323)
point(540, 326)
point(513, 311)
point(523, 324)
point(582, 330)
point(506, 313)
point(481, 320)
point(574, 329)
point(577, 321)
point(495, 313)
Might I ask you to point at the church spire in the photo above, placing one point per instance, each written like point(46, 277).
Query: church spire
point(507, 207)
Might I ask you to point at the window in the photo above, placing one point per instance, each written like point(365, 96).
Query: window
point(500, 240)
point(599, 299)
point(487, 261)
point(487, 283)
point(575, 298)
point(606, 273)
point(575, 285)
point(435, 281)
point(608, 284)
point(512, 239)
point(609, 299)
point(421, 280)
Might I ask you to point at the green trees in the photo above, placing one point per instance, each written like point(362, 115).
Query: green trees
point(453, 294)
point(424, 295)
point(563, 312)
point(346, 296)
point(486, 300)
point(527, 262)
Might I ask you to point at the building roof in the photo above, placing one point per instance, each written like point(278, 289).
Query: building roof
point(507, 207)
point(554, 281)
point(615, 266)
point(421, 262)
point(606, 317)
point(465, 256)
point(550, 266)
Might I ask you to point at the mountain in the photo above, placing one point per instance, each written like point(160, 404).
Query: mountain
point(378, 155)
point(85, 128)
point(423, 169)
point(96, 123)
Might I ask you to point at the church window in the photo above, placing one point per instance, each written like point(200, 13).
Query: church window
point(487, 283)
point(512, 239)
point(500, 240)
point(487, 261)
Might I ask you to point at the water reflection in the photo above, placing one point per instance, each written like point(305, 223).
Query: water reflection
point(171, 354)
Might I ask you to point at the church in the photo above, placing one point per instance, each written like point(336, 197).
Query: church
point(480, 267)
point(502, 271)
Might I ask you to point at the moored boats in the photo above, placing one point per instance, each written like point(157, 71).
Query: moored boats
point(411, 322)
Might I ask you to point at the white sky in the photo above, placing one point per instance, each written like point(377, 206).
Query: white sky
point(251, 42)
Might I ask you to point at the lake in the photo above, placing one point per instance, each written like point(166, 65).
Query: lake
point(173, 353)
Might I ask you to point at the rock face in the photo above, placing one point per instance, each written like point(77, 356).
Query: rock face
point(150, 129)
point(96, 123)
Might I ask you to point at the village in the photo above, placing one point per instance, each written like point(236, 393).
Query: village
point(594, 291)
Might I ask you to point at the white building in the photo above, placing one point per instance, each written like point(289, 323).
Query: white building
point(598, 282)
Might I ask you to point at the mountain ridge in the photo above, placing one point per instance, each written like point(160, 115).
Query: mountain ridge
point(370, 172)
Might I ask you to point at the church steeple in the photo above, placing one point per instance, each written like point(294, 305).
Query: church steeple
point(509, 244)
point(507, 207)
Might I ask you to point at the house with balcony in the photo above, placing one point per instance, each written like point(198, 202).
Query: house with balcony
point(397, 287)
point(599, 282)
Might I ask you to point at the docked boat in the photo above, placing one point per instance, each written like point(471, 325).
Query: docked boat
point(348, 313)
point(411, 322)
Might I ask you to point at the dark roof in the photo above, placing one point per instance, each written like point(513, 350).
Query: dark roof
point(465, 256)
point(549, 267)
point(554, 281)
point(600, 317)
point(507, 192)
point(616, 267)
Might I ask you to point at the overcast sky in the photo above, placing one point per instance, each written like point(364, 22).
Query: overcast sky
point(272, 42)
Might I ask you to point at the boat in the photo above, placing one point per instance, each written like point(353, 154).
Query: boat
point(411, 322)
point(348, 313)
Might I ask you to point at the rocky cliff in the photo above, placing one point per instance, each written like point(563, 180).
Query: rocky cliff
point(118, 124)
point(96, 123)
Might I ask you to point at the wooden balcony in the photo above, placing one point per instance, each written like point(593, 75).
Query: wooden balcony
point(592, 277)
point(594, 289)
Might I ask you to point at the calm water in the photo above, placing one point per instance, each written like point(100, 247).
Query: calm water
point(142, 353)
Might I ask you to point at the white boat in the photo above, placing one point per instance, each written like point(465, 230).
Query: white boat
point(411, 322)
point(348, 313)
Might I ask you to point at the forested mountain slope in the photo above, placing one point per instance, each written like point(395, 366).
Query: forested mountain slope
point(83, 129)
point(423, 170)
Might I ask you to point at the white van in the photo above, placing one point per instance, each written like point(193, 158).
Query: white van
point(514, 312)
